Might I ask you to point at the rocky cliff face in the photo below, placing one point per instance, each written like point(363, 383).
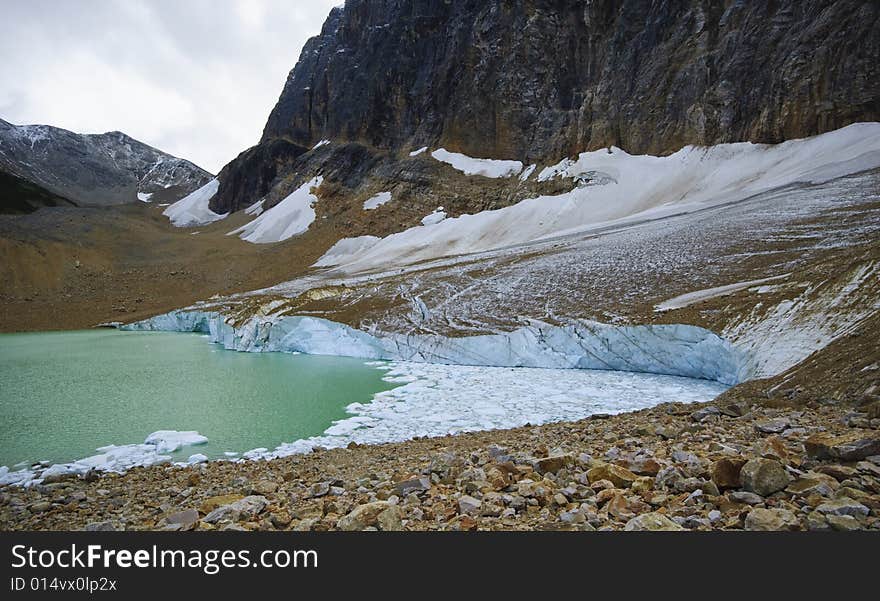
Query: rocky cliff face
point(95, 170)
point(536, 80)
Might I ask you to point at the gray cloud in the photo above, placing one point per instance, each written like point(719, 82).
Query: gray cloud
point(196, 78)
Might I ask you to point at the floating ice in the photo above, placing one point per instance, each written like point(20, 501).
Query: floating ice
point(111, 458)
point(437, 400)
point(168, 441)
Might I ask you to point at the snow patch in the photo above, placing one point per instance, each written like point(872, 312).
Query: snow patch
point(377, 201)
point(193, 210)
point(527, 173)
point(690, 298)
point(144, 196)
point(416, 153)
point(290, 217)
point(436, 217)
point(255, 209)
point(471, 166)
point(319, 144)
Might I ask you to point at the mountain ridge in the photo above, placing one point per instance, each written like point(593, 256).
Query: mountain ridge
point(95, 169)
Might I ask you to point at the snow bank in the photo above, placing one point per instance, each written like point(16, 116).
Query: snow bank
point(677, 350)
point(377, 201)
point(255, 209)
point(471, 166)
point(347, 247)
point(193, 210)
point(111, 458)
point(633, 188)
point(290, 217)
point(685, 300)
point(144, 196)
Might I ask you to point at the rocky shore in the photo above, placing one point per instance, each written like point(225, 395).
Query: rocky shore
point(726, 465)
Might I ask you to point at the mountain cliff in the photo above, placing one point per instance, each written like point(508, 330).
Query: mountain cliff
point(538, 80)
point(94, 169)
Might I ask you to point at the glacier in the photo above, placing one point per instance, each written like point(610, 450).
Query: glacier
point(676, 350)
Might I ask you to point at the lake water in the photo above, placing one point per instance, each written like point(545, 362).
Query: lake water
point(62, 394)
point(93, 397)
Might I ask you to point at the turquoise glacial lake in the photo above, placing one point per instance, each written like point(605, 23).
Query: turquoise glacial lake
point(62, 394)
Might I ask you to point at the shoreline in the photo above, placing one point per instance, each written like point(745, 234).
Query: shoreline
point(722, 465)
point(424, 400)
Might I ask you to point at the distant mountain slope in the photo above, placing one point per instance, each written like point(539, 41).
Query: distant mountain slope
point(19, 196)
point(95, 169)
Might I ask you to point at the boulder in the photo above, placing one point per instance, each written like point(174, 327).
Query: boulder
point(212, 503)
point(553, 463)
point(853, 446)
point(187, 517)
point(390, 520)
point(412, 485)
point(651, 522)
point(363, 516)
point(761, 519)
point(247, 507)
point(764, 476)
point(468, 505)
point(843, 506)
point(619, 476)
point(726, 472)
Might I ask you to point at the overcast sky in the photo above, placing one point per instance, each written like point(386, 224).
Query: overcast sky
point(196, 78)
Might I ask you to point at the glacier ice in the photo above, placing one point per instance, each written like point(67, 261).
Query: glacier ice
point(678, 350)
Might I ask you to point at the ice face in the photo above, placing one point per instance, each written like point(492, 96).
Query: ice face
point(678, 350)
